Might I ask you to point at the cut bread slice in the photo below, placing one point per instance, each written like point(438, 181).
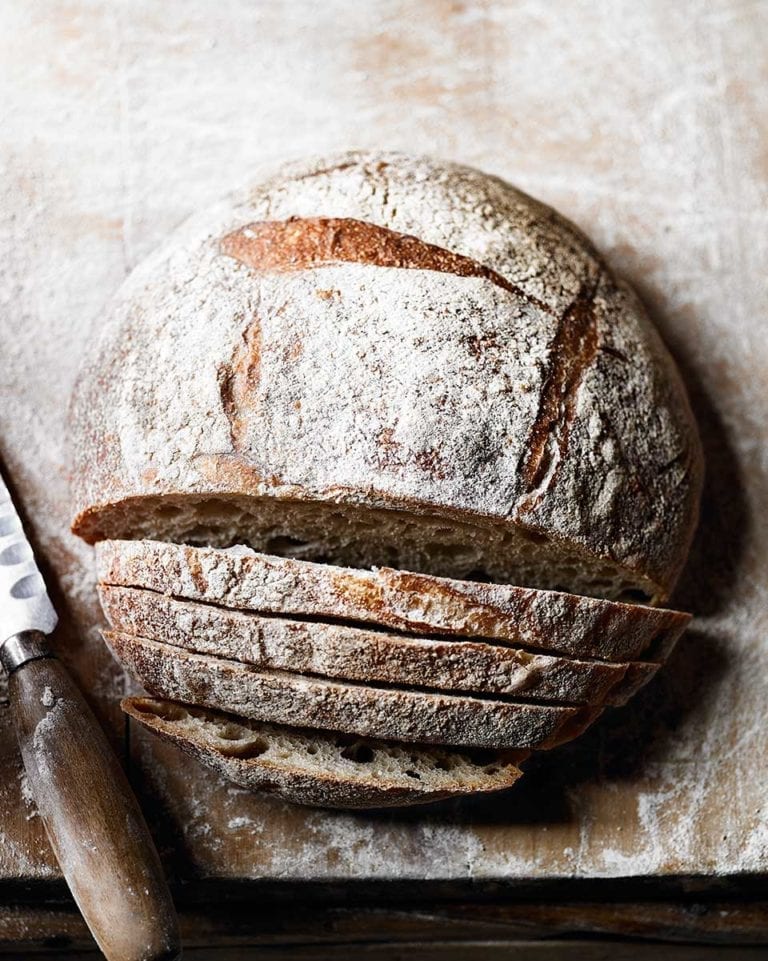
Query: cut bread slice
point(360, 654)
point(307, 701)
point(415, 603)
point(319, 767)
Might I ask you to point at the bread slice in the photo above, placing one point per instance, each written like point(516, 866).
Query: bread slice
point(415, 603)
point(306, 701)
point(359, 654)
point(321, 768)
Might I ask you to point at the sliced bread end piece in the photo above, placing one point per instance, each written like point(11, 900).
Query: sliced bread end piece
point(320, 768)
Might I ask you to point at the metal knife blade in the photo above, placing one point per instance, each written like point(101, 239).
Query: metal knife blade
point(24, 601)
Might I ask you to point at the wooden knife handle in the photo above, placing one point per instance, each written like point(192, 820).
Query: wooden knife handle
point(92, 818)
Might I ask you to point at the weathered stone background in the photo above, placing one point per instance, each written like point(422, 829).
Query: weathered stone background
point(643, 122)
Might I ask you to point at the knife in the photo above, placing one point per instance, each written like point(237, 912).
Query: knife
point(92, 819)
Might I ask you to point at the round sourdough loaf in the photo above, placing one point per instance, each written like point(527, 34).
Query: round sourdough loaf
point(375, 359)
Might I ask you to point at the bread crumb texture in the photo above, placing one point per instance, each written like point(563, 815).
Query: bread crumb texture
point(320, 767)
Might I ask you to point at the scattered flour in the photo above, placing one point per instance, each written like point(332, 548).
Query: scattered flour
point(27, 796)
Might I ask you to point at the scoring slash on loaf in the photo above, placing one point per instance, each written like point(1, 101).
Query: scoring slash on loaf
point(380, 448)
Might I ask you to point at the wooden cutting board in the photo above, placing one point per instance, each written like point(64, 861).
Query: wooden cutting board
point(646, 124)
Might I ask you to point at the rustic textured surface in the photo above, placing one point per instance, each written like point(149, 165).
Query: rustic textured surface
point(385, 712)
point(487, 378)
point(345, 651)
point(457, 928)
point(644, 123)
point(414, 603)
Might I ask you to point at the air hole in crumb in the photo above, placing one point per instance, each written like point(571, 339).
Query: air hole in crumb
point(359, 753)
point(452, 551)
point(441, 764)
point(168, 511)
point(311, 749)
point(533, 536)
point(253, 747)
point(210, 511)
point(633, 596)
point(413, 774)
point(168, 712)
point(231, 732)
point(391, 556)
point(492, 770)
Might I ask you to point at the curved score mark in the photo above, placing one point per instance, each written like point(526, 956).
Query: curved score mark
point(301, 243)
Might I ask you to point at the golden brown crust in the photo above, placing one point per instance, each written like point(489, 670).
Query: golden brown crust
point(573, 350)
point(301, 243)
point(381, 361)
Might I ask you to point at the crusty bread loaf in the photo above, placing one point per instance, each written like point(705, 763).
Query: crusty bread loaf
point(357, 654)
point(382, 712)
point(319, 767)
point(423, 604)
point(380, 360)
point(372, 362)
